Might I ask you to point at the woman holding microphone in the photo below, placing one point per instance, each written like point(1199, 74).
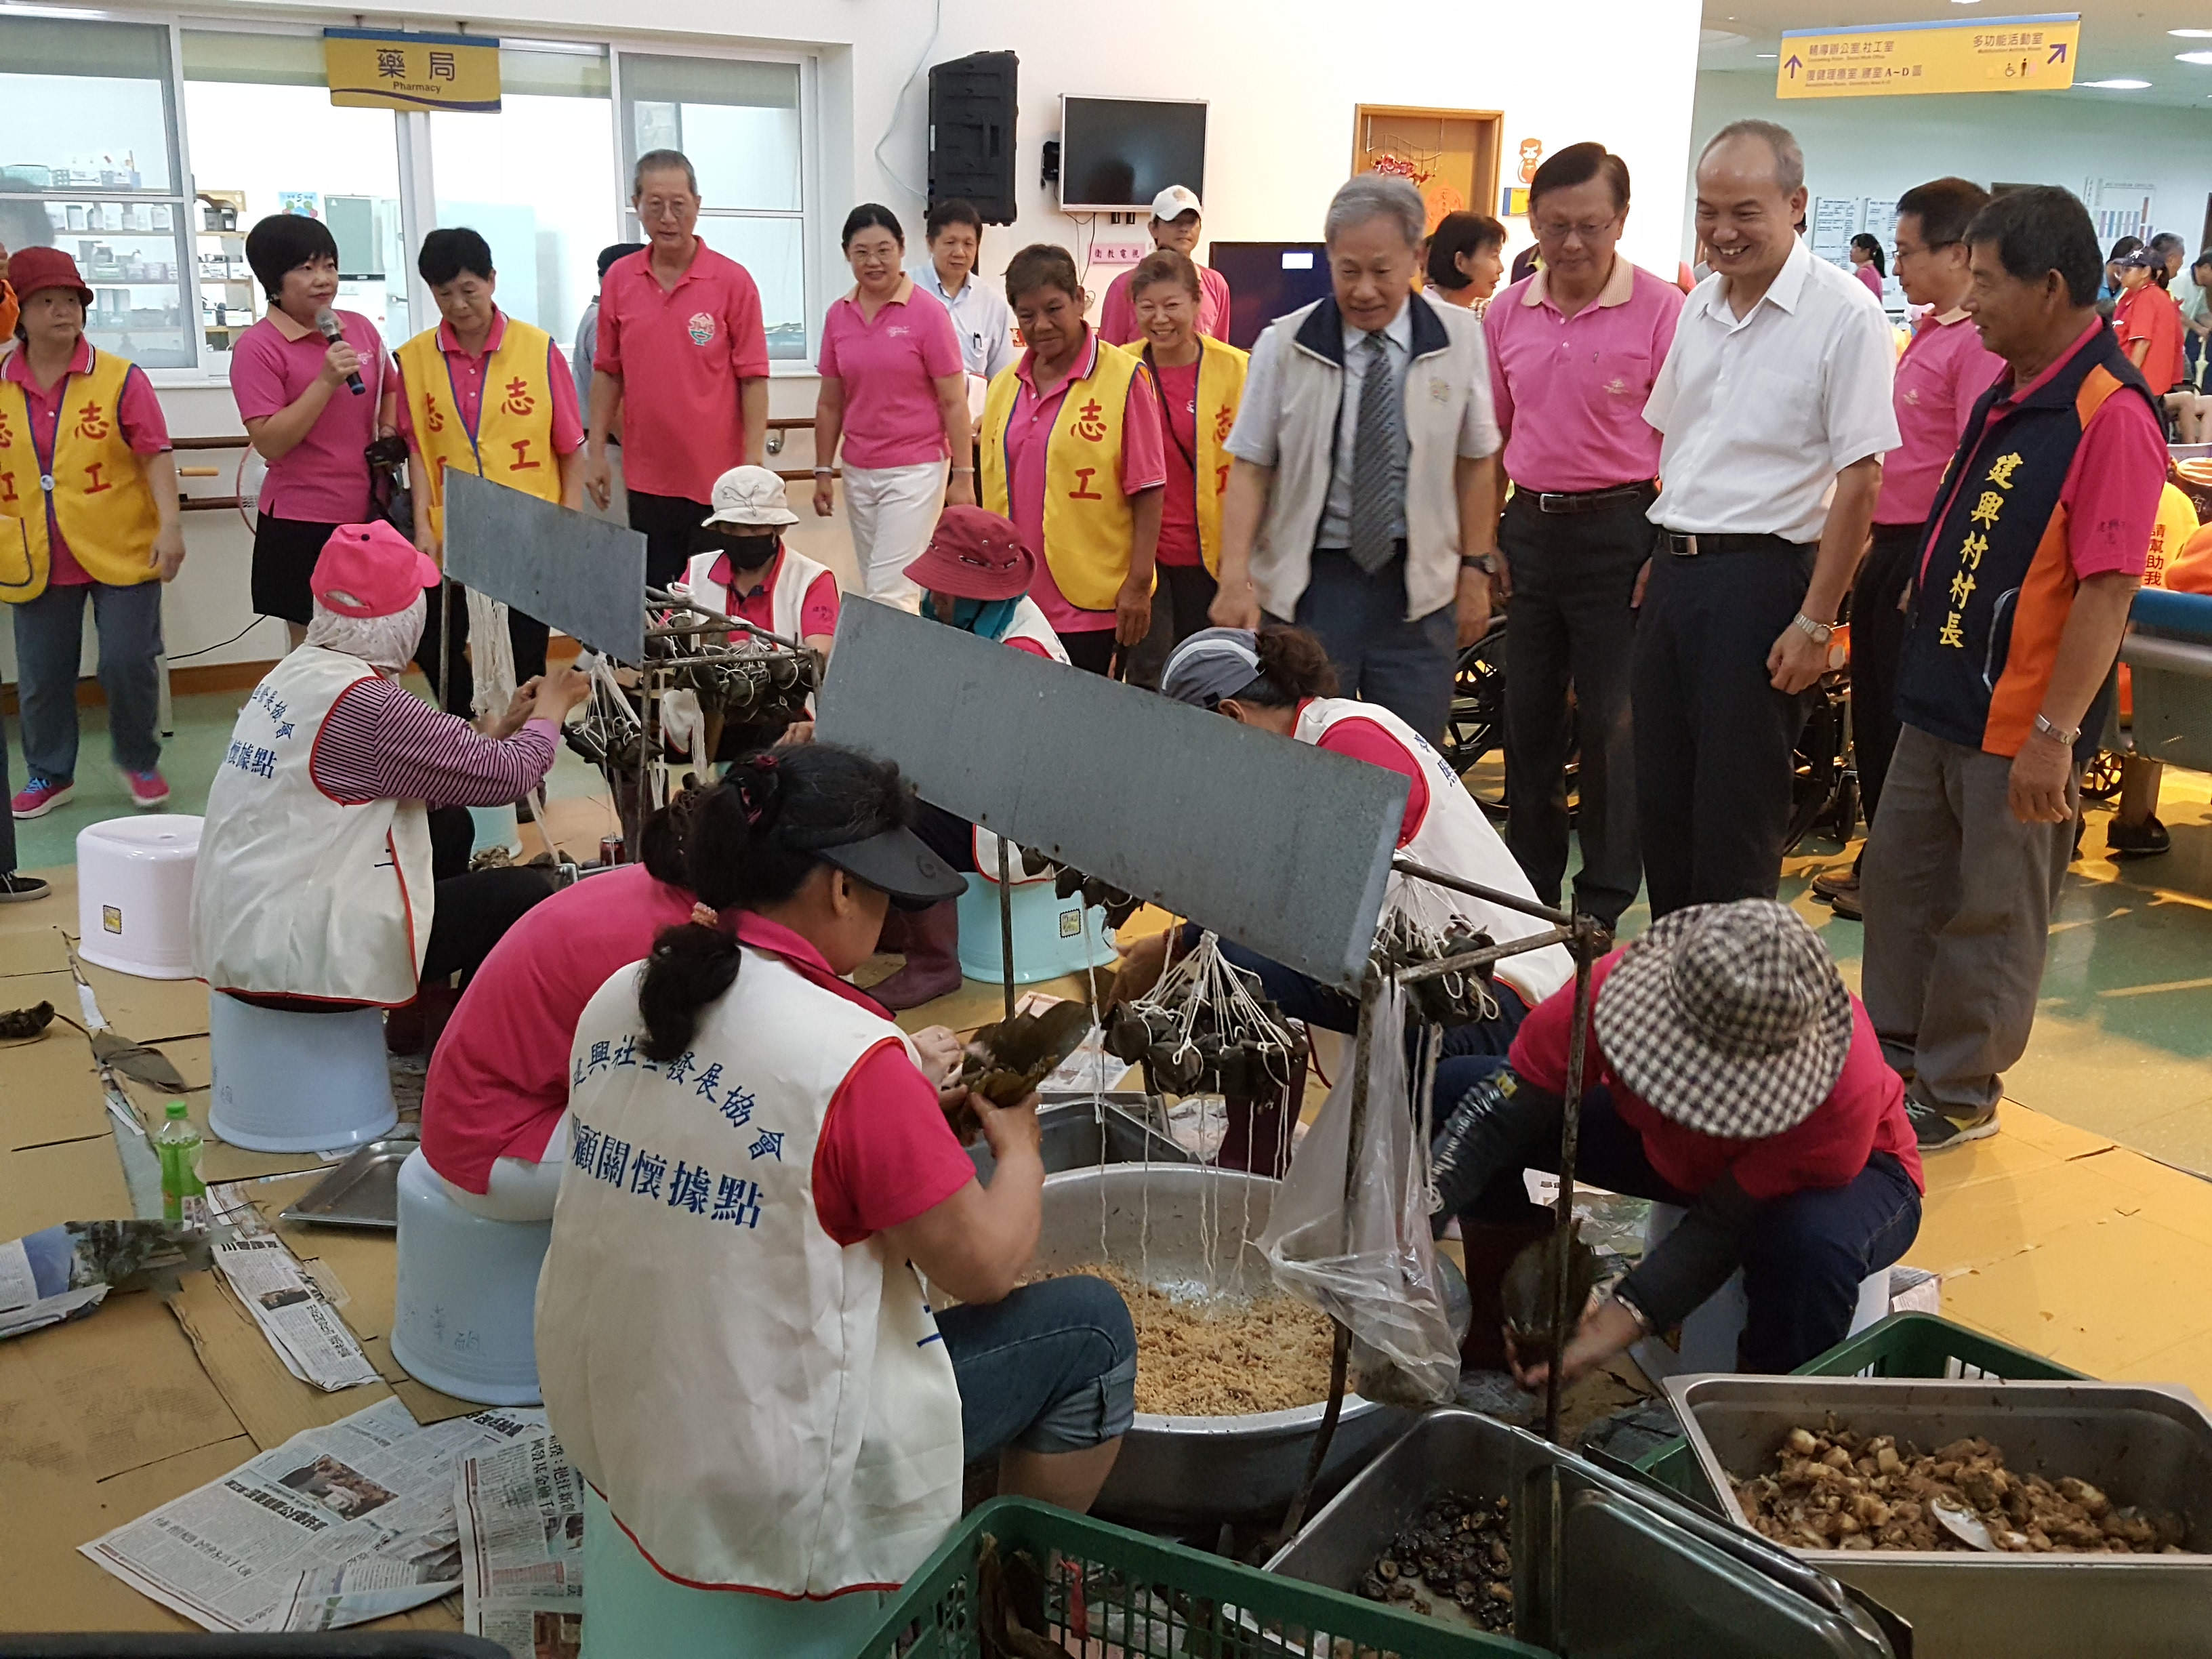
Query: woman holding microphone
point(312, 404)
point(894, 389)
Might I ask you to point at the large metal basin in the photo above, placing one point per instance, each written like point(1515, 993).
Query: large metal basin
point(1079, 1132)
point(2141, 1442)
point(1187, 1225)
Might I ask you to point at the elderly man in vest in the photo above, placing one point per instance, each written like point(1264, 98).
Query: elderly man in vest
point(482, 392)
point(2033, 554)
point(1361, 504)
point(325, 876)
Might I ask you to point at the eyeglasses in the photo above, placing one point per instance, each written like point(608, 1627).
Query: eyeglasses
point(1559, 230)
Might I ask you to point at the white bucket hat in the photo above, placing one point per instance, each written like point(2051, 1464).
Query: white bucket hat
point(750, 495)
point(1730, 1020)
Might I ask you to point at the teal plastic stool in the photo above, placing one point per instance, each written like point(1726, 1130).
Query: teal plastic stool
point(1053, 936)
point(631, 1611)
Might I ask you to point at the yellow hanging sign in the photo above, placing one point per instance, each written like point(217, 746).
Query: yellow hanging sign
point(389, 69)
point(1875, 60)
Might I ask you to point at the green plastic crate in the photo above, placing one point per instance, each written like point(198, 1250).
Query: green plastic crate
point(1148, 1599)
point(1903, 1344)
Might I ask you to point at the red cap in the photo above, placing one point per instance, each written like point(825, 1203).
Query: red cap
point(31, 268)
point(974, 555)
point(370, 570)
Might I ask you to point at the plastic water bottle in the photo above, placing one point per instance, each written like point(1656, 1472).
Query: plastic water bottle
point(178, 1146)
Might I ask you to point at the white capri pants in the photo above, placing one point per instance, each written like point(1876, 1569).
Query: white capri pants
point(520, 1190)
point(892, 511)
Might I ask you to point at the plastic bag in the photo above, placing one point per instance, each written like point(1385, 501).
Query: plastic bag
point(1370, 1263)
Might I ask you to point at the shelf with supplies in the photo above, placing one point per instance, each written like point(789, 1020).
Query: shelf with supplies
point(228, 295)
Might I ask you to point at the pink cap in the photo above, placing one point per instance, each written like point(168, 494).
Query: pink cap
point(370, 570)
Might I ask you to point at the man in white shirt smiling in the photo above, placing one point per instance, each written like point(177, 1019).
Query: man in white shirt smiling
point(1774, 409)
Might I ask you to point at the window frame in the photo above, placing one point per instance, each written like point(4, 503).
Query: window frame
point(415, 173)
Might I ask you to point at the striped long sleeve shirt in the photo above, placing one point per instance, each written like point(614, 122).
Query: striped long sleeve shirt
point(381, 741)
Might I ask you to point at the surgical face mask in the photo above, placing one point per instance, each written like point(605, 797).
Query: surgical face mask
point(750, 552)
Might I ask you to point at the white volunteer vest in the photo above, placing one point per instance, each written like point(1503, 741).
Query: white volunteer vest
point(762, 1408)
point(1030, 623)
point(1455, 837)
point(296, 894)
point(795, 576)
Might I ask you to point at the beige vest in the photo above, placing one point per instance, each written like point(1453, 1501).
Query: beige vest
point(764, 1408)
point(1455, 837)
point(296, 894)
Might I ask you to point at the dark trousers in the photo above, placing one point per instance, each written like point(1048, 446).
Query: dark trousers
point(670, 526)
point(526, 634)
point(471, 910)
point(1379, 656)
point(1573, 625)
point(1179, 601)
point(1092, 650)
point(1715, 742)
point(952, 839)
point(7, 817)
point(1877, 643)
point(1804, 1255)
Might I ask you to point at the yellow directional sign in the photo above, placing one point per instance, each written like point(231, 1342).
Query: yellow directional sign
point(1873, 60)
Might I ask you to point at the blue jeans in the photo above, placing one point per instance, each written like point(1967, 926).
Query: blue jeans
point(49, 643)
point(7, 817)
point(1053, 1368)
point(1379, 656)
point(1803, 1256)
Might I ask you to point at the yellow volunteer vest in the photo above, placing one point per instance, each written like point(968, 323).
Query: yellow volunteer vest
point(99, 499)
point(512, 443)
point(1220, 389)
point(1088, 522)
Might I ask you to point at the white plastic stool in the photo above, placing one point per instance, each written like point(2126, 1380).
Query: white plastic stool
point(297, 1083)
point(1710, 1333)
point(1052, 935)
point(134, 895)
point(467, 1294)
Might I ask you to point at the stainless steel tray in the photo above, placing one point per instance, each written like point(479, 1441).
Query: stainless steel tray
point(361, 1192)
point(1078, 1133)
point(2142, 1443)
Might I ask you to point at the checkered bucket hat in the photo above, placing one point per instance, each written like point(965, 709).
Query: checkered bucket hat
point(1730, 1020)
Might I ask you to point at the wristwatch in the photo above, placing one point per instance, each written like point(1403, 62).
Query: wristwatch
point(1818, 632)
point(2057, 733)
point(1486, 562)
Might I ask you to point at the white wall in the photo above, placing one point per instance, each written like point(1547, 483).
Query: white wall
point(1282, 78)
point(1881, 147)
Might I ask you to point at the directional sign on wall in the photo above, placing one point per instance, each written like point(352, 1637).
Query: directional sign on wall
point(1874, 60)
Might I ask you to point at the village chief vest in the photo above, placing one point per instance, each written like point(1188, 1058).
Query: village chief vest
point(1996, 581)
point(89, 487)
point(512, 443)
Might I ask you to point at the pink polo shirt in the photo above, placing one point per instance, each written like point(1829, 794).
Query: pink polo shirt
point(1179, 538)
point(464, 374)
point(688, 347)
point(1117, 312)
point(1943, 371)
point(499, 1077)
point(136, 410)
point(890, 370)
point(1028, 427)
point(323, 479)
point(1570, 391)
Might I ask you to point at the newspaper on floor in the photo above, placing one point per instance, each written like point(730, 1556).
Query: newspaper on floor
point(294, 1313)
point(520, 1511)
point(59, 1273)
point(338, 1525)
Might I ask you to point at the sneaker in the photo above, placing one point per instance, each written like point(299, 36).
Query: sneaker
point(2146, 839)
point(1938, 1132)
point(147, 789)
point(40, 796)
point(21, 890)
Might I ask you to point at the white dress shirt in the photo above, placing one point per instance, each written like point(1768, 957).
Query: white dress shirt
point(1758, 416)
point(980, 317)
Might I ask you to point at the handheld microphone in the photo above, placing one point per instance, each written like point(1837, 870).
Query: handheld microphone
point(327, 324)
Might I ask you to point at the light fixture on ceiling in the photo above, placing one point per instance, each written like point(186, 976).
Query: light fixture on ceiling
point(2120, 85)
point(2190, 34)
point(1770, 54)
point(2193, 58)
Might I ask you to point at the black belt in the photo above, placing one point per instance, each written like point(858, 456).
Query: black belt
point(1684, 546)
point(1586, 501)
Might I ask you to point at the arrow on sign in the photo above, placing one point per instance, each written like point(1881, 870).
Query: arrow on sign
point(2058, 53)
point(1794, 65)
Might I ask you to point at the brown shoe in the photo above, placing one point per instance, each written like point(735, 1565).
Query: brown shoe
point(1833, 884)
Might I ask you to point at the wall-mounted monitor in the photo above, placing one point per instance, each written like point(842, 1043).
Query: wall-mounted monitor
point(1117, 154)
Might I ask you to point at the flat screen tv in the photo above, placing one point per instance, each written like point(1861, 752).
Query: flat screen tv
point(1268, 280)
point(1117, 154)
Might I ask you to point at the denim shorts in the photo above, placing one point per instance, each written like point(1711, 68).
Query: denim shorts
point(1053, 1368)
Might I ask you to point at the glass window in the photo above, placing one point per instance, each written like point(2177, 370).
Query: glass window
point(738, 123)
point(86, 166)
point(538, 180)
point(266, 139)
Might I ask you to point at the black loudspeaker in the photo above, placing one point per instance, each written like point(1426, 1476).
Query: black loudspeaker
point(971, 133)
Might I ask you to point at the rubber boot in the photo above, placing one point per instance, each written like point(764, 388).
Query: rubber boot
point(1489, 1247)
point(933, 959)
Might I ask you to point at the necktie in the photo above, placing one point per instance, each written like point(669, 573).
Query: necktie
point(1378, 460)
